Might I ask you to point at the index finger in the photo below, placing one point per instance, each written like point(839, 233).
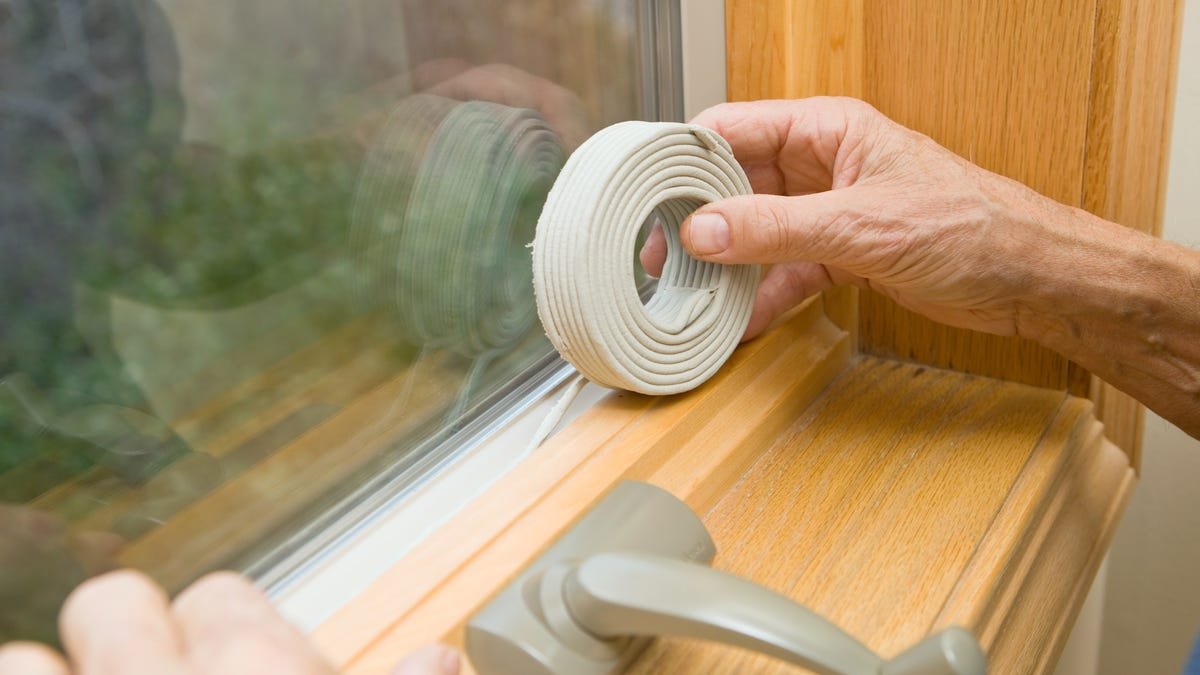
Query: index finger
point(757, 130)
point(793, 147)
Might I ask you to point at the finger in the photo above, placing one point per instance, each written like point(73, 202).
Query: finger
point(783, 287)
point(120, 624)
point(430, 660)
point(757, 130)
point(230, 627)
point(795, 146)
point(31, 658)
point(654, 252)
point(830, 227)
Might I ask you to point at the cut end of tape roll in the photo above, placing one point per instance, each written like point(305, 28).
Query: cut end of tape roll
point(583, 259)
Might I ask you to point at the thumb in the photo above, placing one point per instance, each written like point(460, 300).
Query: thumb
point(772, 228)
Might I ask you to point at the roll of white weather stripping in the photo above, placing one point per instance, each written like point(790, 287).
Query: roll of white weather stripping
point(583, 259)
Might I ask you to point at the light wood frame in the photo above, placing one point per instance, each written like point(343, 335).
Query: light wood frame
point(895, 475)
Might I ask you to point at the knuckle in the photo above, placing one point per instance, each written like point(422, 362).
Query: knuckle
point(864, 109)
point(771, 231)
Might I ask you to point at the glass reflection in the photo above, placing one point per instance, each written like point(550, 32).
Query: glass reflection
point(250, 251)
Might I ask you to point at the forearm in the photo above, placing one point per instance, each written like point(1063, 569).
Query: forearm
point(1125, 306)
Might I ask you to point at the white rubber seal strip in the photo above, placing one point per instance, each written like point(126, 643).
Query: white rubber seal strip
point(583, 259)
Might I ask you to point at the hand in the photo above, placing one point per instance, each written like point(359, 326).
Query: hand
point(123, 624)
point(845, 195)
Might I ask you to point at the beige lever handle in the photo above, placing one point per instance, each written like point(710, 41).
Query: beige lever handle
point(613, 595)
point(636, 566)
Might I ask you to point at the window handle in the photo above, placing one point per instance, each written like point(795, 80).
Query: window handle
point(616, 595)
point(636, 566)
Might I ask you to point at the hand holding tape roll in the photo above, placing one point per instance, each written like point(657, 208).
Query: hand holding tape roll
point(417, 238)
point(583, 259)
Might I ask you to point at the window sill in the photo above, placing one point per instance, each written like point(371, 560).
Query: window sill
point(893, 498)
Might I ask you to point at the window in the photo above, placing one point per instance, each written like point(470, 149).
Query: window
point(262, 260)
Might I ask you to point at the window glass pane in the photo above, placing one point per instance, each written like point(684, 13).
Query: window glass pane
point(254, 251)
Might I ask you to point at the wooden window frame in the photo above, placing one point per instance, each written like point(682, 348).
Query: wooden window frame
point(1054, 482)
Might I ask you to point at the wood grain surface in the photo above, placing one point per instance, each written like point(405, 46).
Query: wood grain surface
point(696, 445)
point(793, 48)
point(908, 499)
point(898, 500)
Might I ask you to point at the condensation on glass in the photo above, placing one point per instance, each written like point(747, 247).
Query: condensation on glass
point(256, 253)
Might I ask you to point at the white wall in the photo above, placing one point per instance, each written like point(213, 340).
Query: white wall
point(1152, 599)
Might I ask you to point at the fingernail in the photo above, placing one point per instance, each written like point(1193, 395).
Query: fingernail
point(451, 663)
point(709, 233)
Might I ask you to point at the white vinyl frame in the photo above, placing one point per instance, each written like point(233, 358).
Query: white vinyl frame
point(341, 574)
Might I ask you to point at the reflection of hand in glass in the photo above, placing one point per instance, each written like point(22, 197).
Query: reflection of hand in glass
point(40, 562)
point(511, 86)
point(124, 623)
point(499, 83)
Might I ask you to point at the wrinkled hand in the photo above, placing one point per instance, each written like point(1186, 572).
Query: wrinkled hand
point(123, 624)
point(845, 195)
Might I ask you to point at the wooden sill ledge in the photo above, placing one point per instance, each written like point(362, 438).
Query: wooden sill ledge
point(891, 497)
point(908, 499)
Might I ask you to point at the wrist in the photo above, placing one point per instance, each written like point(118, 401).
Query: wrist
point(1061, 254)
point(1107, 294)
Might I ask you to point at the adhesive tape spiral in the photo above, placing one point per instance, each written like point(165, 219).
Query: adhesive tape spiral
point(583, 259)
